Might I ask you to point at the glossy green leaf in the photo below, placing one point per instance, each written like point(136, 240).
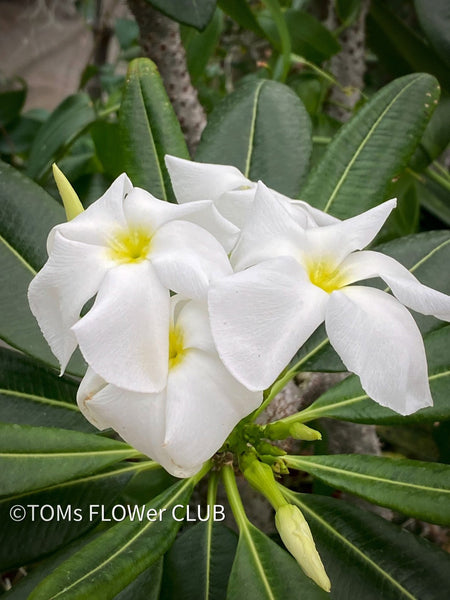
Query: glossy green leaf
point(62, 127)
point(108, 148)
point(146, 586)
point(148, 129)
point(19, 135)
point(264, 571)
point(416, 488)
point(435, 138)
point(408, 45)
point(111, 562)
point(199, 563)
point(32, 394)
point(36, 457)
point(368, 557)
point(434, 198)
point(310, 39)
point(348, 401)
point(262, 129)
point(372, 147)
point(199, 46)
point(196, 13)
point(435, 21)
point(27, 214)
point(240, 11)
point(56, 515)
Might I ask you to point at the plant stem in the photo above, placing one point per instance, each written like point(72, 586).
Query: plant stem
point(285, 39)
point(234, 497)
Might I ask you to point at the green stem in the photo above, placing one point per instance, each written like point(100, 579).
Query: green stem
point(205, 469)
point(443, 181)
point(318, 139)
point(108, 111)
point(234, 497)
point(212, 488)
point(280, 383)
point(285, 39)
point(437, 165)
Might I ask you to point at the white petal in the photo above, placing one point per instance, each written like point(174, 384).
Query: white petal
point(138, 418)
point(71, 276)
point(319, 217)
point(193, 320)
point(270, 231)
point(202, 181)
point(335, 242)
point(204, 403)
point(236, 205)
point(124, 337)
point(378, 339)
point(187, 258)
point(406, 287)
point(261, 316)
point(94, 225)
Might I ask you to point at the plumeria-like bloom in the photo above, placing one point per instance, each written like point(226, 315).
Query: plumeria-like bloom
point(128, 250)
point(185, 423)
point(232, 193)
point(293, 278)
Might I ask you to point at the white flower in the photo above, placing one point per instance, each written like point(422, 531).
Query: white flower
point(187, 422)
point(296, 278)
point(127, 250)
point(231, 192)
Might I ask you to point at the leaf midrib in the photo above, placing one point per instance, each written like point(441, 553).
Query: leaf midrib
point(41, 399)
point(364, 142)
point(248, 160)
point(354, 475)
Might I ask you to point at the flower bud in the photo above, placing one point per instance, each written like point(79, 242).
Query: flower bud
point(296, 536)
point(72, 204)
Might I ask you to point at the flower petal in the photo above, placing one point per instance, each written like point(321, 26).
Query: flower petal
point(204, 403)
point(187, 258)
point(94, 225)
point(71, 276)
point(138, 418)
point(202, 181)
point(273, 229)
point(236, 205)
point(378, 339)
point(408, 289)
point(318, 217)
point(261, 316)
point(335, 242)
point(124, 337)
point(193, 320)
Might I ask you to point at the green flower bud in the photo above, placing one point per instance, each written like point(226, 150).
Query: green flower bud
point(72, 204)
point(296, 536)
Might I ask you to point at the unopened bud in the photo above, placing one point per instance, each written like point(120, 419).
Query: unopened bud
point(72, 204)
point(297, 537)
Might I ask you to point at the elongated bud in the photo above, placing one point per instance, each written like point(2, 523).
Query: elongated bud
point(298, 431)
point(72, 204)
point(297, 537)
point(261, 477)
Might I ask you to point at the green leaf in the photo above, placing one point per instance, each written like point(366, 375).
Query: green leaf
point(148, 129)
point(200, 46)
point(309, 38)
point(32, 394)
point(199, 563)
point(407, 43)
point(111, 562)
point(36, 457)
point(11, 102)
point(196, 13)
point(262, 129)
point(436, 137)
point(240, 11)
point(349, 402)
point(347, 10)
point(58, 514)
point(369, 558)
point(416, 488)
point(434, 198)
point(372, 148)
point(435, 21)
point(62, 127)
point(106, 138)
point(264, 571)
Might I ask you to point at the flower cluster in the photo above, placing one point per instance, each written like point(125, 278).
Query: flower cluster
point(186, 312)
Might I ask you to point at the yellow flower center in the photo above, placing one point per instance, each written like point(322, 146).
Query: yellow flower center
point(130, 245)
point(176, 346)
point(326, 275)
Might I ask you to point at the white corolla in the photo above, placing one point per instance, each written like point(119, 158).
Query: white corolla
point(189, 419)
point(232, 193)
point(291, 279)
point(128, 250)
